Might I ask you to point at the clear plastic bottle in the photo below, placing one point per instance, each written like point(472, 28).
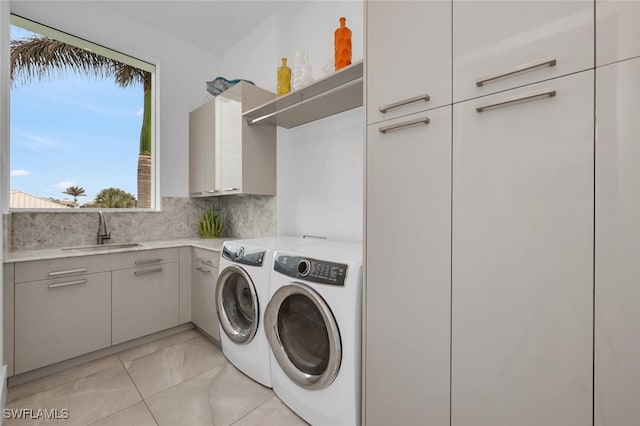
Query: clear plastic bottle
point(284, 78)
point(342, 41)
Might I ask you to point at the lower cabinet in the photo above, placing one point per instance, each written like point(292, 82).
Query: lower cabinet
point(408, 256)
point(522, 275)
point(204, 275)
point(61, 318)
point(145, 300)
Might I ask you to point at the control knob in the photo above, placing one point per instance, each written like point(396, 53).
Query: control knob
point(304, 267)
point(239, 253)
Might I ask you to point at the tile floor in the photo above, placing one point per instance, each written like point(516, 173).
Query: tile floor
point(182, 379)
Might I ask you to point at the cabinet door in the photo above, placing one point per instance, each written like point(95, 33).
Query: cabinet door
point(407, 301)
point(60, 319)
point(617, 30)
point(494, 38)
point(522, 283)
point(145, 300)
point(203, 304)
point(228, 144)
point(400, 68)
point(201, 150)
point(617, 244)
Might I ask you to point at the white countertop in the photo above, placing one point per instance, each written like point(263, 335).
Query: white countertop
point(214, 244)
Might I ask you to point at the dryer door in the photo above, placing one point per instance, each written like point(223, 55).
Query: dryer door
point(303, 336)
point(237, 304)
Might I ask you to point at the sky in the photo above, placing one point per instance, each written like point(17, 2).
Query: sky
point(74, 130)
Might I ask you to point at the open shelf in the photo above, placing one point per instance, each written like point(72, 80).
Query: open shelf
point(334, 93)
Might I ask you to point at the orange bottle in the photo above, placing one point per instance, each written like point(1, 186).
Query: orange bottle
point(342, 41)
point(284, 78)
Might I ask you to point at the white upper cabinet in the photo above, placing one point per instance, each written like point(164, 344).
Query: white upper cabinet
point(498, 45)
point(226, 154)
point(617, 30)
point(408, 57)
point(617, 245)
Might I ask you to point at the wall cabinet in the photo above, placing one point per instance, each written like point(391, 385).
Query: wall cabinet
point(617, 318)
point(226, 154)
point(408, 292)
point(497, 44)
point(61, 318)
point(522, 276)
point(401, 78)
point(203, 306)
point(145, 299)
point(617, 30)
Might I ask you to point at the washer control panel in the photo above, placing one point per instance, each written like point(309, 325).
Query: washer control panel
point(314, 270)
point(243, 255)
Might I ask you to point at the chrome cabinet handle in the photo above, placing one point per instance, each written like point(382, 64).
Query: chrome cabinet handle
point(522, 97)
point(211, 191)
point(69, 271)
point(398, 104)
point(67, 283)
point(149, 271)
point(404, 124)
point(202, 269)
point(230, 189)
point(204, 260)
point(551, 62)
point(147, 262)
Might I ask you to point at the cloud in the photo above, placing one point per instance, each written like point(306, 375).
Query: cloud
point(140, 112)
point(20, 172)
point(35, 142)
point(63, 185)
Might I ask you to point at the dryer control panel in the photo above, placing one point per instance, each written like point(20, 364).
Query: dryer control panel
point(314, 270)
point(243, 255)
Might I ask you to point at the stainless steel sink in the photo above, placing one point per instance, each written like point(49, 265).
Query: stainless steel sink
point(102, 247)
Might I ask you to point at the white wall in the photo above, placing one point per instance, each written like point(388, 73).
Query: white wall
point(182, 71)
point(320, 164)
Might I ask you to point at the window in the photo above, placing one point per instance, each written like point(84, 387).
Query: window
point(82, 123)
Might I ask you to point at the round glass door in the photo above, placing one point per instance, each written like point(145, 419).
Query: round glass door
point(237, 304)
point(303, 336)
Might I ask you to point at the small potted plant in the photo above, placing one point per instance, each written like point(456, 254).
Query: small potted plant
point(210, 225)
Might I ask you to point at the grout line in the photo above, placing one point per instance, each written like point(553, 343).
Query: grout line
point(144, 401)
point(273, 395)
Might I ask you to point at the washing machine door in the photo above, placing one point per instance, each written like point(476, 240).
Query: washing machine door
point(237, 303)
point(303, 336)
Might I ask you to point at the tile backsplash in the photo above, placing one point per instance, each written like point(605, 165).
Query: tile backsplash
point(243, 216)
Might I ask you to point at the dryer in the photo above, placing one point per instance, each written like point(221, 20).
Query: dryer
point(313, 325)
point(242, 293)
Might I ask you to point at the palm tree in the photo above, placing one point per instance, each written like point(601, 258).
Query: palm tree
point(114, 198)
point(75, 192)
point(37, 57)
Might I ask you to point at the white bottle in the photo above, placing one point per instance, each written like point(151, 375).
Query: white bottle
point(296, 72)
point(307, 73)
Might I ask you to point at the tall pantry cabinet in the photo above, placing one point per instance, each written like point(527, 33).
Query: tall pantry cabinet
point(504, 284)
point(408, 204)
point(617, 317)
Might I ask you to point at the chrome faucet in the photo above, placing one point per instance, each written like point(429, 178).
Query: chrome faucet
point(102, 229)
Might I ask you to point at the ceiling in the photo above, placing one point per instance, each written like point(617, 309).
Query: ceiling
point(212, 25)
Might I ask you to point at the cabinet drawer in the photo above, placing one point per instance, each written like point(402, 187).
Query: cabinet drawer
point(63, 267)
point(496, 38)
point(144, 257)
point(60, 319)
point(208, 257)
point(145, 300)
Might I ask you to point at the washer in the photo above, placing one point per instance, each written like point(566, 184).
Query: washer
point(313, 325)
point(242, 293)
